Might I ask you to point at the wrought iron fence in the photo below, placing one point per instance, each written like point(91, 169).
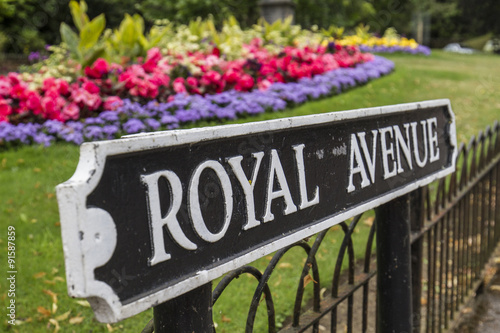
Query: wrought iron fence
point(455, 226)
point(460, 231)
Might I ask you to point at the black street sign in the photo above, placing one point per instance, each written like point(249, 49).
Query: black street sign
point(149, 217)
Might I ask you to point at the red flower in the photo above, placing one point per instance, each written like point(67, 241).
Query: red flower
point(231, 76)
point(245, 83)
point(5, 110)
point(216, 52)
point(99, 68)
point(14, 78)
point(192, 81)
point(19, 90)
point(91, 87)
point(154, 56)
point(33, 102)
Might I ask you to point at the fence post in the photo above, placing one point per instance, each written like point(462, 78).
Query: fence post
point(394, 301)
point(190, 312)
point(416, 224)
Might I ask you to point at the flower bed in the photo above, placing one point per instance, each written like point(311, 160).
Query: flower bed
point(390, 42)
point(132, 117)
point(26, 98)
point(177, 75)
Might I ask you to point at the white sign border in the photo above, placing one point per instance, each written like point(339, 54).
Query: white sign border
point(75, 217)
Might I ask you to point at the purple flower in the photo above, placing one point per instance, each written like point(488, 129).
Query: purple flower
point(44, 139)
point(421, 49)
point(93, 133)
point(53, 126)
point(153, 124)
point(109, 116)
point(94, 121)
point(134, 126)
point(109, 131)
point(170, 121)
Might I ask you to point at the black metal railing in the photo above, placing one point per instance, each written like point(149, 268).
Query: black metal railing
point(455, 227)
point(460, 231)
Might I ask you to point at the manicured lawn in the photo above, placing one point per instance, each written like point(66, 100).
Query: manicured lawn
point(28, 176)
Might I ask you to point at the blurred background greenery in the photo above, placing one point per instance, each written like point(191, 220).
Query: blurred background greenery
point(28, 25)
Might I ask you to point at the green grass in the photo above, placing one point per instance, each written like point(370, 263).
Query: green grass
point(28, 176)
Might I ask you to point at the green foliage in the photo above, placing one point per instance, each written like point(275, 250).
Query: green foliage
point(129, 41)
point(7, 9)
point(79, 13)
point(280, 32)
point(362, 31)
point(333, 31)
point(87, 46)
point(3, 41)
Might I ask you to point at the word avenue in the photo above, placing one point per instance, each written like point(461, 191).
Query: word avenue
point(393, 144)
point(149, 217)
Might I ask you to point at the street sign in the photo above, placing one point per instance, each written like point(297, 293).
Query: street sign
point(151, 216)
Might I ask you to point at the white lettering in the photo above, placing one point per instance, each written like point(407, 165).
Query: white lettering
point(194, 201)
point(370, 160)
point(423, 162)
point(386, 151)
point(247, 185)
point(156, 221)
point(360, 166)
point(299, 158)
point(405, 145)
point(433, 139)
point(276, 171)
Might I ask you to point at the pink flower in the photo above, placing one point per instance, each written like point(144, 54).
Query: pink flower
point(70, 111)
point(79, 95)
point(112, 103)
point(192, 81)
point(264, 84)
point(62, 87)
point(154, 56)
point(101, 65)
point(213, 76)
point(267, 69)
point(14, 78)
point(50, 108)
point(179, 86)
point(158, 78)
point(91, 87)
point(19, 90)
point(33, 102)
point(93, 101)
point(5, 86)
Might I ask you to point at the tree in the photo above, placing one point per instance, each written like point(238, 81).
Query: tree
point(28, 25)
point(324, 13)
point(182, 11)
